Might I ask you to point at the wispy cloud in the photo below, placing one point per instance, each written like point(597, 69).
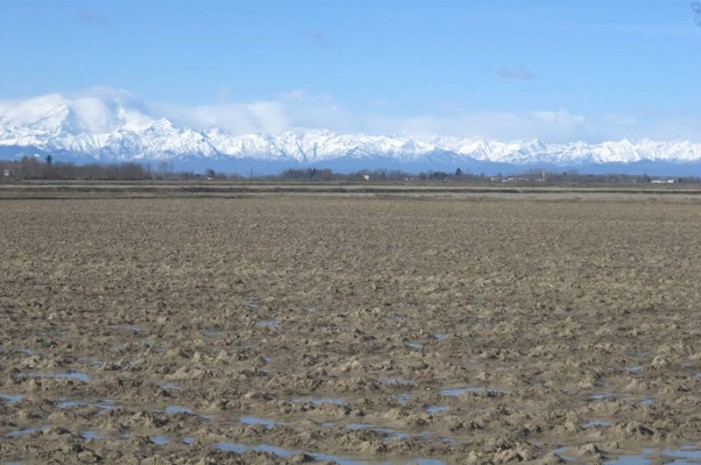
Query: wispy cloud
point(551, 126)
point(298, 109)
point(301, 110)
point(519, 72)
point(88, 16)
point(319, 39)
point(290, 110)
point(696, 8)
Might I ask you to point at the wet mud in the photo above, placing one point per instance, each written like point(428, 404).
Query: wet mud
point(357, 330)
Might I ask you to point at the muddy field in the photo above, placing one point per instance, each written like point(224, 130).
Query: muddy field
point(294, 328)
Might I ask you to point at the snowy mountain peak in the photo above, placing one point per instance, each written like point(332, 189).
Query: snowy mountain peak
point(111, 125)
point(96, 112)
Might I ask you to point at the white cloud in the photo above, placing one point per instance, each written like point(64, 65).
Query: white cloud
point(299, 109)
point(558, 126)
point(292, 109)
point(102, 109)
point(671, 128)
point(237, 118)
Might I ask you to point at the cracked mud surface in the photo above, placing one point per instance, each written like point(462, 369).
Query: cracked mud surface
point(271, 329)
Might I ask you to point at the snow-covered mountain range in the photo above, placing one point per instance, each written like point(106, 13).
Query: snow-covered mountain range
point(114, 127)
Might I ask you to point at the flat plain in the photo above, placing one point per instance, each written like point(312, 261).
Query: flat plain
point(374, 328)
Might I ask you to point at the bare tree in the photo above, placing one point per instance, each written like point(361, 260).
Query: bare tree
point(165, 168)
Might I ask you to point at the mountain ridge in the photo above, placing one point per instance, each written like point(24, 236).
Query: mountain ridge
point(114, 126)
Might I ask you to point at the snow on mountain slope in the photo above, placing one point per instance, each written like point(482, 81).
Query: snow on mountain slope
point(109, 125)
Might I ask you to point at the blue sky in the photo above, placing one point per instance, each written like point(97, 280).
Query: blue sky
point(559, 70)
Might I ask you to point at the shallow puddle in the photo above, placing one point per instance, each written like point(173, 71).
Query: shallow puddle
point(20, 433)
point(415, 345)
point(11, 398)
point(595, 424)
point(91, 361)
point(127, 327)
point(608, 395)
point(214, 333)
point(240, 448)
point(685, 452)
point(627, 460)
point(683, 455)
point(562, 452)
point(102, 405)
point(397, 382)
point(440, 336)
point(159, 440)
point(402, 398)
point(175, 409)
point(387, 431)
point(92, 435)
point(268, 324)
point(453, 392)
point(340, 460)
point(319, 400)
point(68, 375)
point(181, 410)
point(251, 420)
point(435, 409)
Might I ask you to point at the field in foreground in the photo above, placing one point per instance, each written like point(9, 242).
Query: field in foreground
point(288, 328)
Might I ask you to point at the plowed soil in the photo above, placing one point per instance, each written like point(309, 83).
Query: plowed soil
point(291, 328)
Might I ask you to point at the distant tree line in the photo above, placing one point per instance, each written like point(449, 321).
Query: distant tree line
point(458, 176)
point(33, 167)
point(36, 168)
point(47, 168)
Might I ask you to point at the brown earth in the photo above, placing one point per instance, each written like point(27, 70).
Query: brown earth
point(337, 325)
